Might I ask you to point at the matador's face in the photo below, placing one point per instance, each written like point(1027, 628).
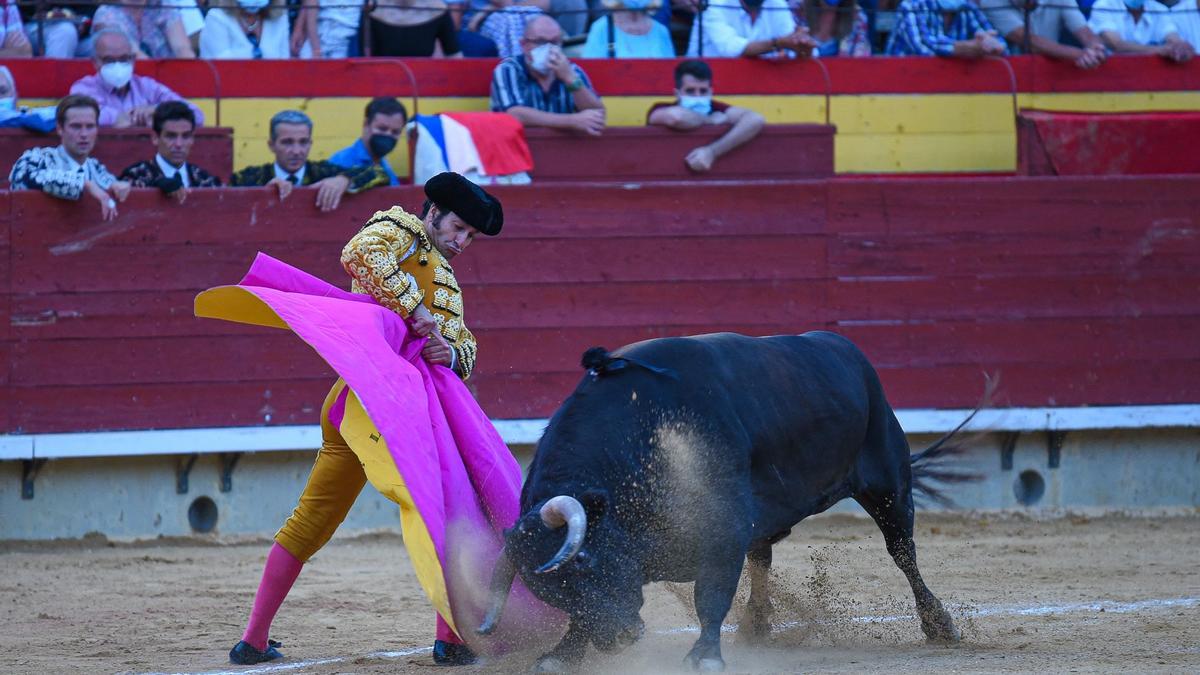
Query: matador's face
point(448, 233)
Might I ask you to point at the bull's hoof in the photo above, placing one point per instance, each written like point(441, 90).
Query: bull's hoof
point(704, 664)
point(550, 664)
point(940, 629)
point(755, 628)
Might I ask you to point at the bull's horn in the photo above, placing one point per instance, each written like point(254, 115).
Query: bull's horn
point(563, 509)
point(502, 579)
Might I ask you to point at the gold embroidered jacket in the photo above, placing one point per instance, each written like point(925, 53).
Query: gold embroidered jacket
point(392, 259)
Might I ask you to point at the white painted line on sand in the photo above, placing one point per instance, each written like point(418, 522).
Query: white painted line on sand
point(1106, 606)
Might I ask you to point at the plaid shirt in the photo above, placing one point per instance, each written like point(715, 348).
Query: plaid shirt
point(513, 85)
point(920, 30)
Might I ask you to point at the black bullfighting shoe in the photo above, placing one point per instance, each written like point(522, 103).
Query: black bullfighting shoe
point(451, 654)
point(244, 653)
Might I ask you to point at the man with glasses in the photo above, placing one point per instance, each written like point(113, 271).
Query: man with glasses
point(126, 100)
point(291, 141)
point(542, 88)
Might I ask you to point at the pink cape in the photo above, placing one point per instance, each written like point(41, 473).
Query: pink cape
point(458, 472)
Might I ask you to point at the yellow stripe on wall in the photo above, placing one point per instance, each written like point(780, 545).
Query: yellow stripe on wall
point(876, 133)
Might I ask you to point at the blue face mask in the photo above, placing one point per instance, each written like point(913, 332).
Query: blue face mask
point(701, 105)
point(8, 104)
point(1135, 4)
point(951, 5)
point(636, 5)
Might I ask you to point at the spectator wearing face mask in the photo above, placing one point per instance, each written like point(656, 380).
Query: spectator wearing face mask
point(174, 133)
point(13, 115)
point(839, 27)
point(1048, 19)
point(1130, 27)
point(245, 29)
point(752, 28)
point(542, 88)
point(382, 126)
point(68, 171)
point(951, 28)
point(291, 142)
point(125, 99)
point(635, 35)
point(694, 107)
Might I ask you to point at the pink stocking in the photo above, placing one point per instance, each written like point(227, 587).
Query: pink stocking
point(277, 579)
point(444, 632)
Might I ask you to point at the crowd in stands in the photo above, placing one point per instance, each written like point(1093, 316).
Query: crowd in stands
point(1084, 32)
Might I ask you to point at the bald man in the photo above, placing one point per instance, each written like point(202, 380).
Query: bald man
point(126, 100)
point(542, 88)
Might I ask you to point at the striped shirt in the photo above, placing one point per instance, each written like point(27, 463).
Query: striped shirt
point(513, 85)
point(920, 30)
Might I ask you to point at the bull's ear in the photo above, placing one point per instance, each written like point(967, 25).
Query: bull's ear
point(595, 504)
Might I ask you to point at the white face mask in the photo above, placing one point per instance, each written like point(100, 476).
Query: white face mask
point(539, 58)
point(116, 75)
point(253, 6)
point(8, 104)
point(701, 105)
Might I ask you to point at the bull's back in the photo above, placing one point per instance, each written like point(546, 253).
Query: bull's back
point(802, 401)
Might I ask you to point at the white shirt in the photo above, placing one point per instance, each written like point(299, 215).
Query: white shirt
point(170, 171)
point(1152, 28)
point(1185, 14)
point(283, 175)
point(189, 14)
point(224, 38)
point(728, 28)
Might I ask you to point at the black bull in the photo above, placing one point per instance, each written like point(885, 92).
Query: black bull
point(676, 459)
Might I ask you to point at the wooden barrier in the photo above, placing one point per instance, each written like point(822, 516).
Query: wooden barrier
point(118, 149)
point(636, 154)
point(1107, 144)
point(1077, 291)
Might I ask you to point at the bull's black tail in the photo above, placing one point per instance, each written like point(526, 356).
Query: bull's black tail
point(929, 465)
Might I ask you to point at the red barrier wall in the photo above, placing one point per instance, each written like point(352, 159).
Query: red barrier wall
point(1078, 291)
point(52, 78)
point(1107, 144)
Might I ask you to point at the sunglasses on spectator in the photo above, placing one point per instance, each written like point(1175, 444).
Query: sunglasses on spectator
point(538, 42)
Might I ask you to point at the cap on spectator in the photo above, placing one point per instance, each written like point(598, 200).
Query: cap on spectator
point(456, 194)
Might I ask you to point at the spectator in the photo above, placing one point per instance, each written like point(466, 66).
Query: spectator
point(59, 28)
point(382, 126)
point(503, 24)
point(635, 34)
point(694, 107)
point(191, 17)
point(13, 41)
point(750, 28)
point(125, 99)
point(156, 32)
point(291, 141)
point(245, 29)
point(403, 28)
point(542, 88)
point(1047, 21)
point(951, 28)
point(67, 171)
point(328, 29)
point(40, 120)
point(469, 40)
point(1129, 27)
point(174, 133)
point(839, 27)
point(1185, 14)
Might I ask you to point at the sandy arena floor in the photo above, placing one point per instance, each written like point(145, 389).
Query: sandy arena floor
point(1074, 594)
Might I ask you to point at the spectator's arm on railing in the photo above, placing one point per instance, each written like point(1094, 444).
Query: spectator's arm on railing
point(16, 44)
point(177, 38)
point(676, 117)
point(746, 125)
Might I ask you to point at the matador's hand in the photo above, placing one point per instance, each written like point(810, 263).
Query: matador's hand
point(438, 351)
